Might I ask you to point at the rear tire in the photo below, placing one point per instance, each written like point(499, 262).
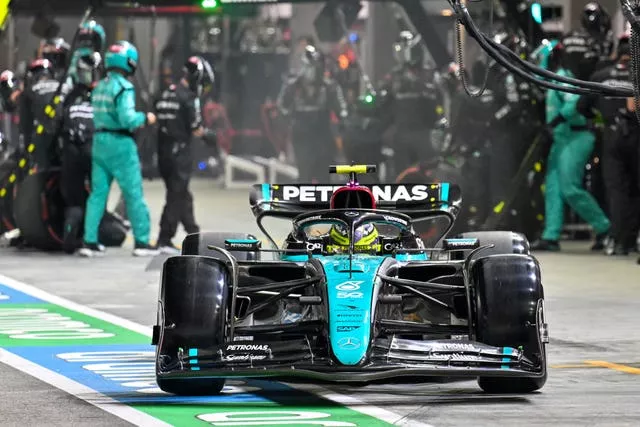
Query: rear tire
point(504, 242)
point(193, 299)
point(509, 301)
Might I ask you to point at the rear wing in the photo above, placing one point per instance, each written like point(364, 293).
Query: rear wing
point(290, 200)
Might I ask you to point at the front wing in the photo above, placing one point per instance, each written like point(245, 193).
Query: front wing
point(387, 360)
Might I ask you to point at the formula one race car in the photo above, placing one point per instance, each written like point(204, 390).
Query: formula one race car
point(363, 289)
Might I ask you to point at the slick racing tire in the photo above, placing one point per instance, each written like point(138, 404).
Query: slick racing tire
point(504, 242)
point(39, 212)
point(191, 315)
point(38, 209)
point(198, 244)
point(509, 301)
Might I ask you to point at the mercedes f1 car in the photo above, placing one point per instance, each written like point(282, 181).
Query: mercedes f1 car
point(409, 304)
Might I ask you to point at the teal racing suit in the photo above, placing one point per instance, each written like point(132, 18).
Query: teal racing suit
point(572, 145)
point(115, 155)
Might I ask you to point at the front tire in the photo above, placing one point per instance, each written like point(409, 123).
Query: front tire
point(192, 314)
point(509, 301)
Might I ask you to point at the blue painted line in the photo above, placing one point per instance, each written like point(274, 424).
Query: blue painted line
point(11, 296)
point(125, 373)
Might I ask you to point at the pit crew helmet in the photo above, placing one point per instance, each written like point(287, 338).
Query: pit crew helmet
point(8, 86)
point(199, 75)
point(365, 237)
point(623, 48)
point(122, 56)
point(595, 19)
point(313, 64)
point(40, 68)
point(408, 50)
point(56, 50)
point(88, 69)
point(92, 35)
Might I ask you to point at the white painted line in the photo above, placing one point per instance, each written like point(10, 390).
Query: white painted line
point(80, 391)
point(364, 408)
point(344, 400)
point(70, 305)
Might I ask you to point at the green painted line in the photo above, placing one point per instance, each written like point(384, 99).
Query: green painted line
point(42, 325)
point(304, 409)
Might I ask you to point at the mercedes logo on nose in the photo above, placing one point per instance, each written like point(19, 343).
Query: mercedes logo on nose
point(352, 214)
point(349, 343)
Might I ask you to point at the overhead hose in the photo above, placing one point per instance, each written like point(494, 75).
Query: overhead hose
point(631, 12)
point(524, 69)
point(460, 54)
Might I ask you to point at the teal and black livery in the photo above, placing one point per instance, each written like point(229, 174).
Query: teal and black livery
point(321, 308)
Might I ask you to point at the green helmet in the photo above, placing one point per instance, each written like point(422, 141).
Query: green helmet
point(92, 35)
point(122, 56)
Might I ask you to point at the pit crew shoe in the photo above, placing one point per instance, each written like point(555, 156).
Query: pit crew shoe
point(545, 245)
point(90, 250)
point(168, 248)
point(145, 249)
point(601, 242)
point(615, 249)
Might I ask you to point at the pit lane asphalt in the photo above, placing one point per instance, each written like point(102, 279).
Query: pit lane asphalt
point(592, 310)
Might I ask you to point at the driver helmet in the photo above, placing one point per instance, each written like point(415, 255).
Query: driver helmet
point(365, 236)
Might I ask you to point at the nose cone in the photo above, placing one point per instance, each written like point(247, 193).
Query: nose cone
point(350, 303)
